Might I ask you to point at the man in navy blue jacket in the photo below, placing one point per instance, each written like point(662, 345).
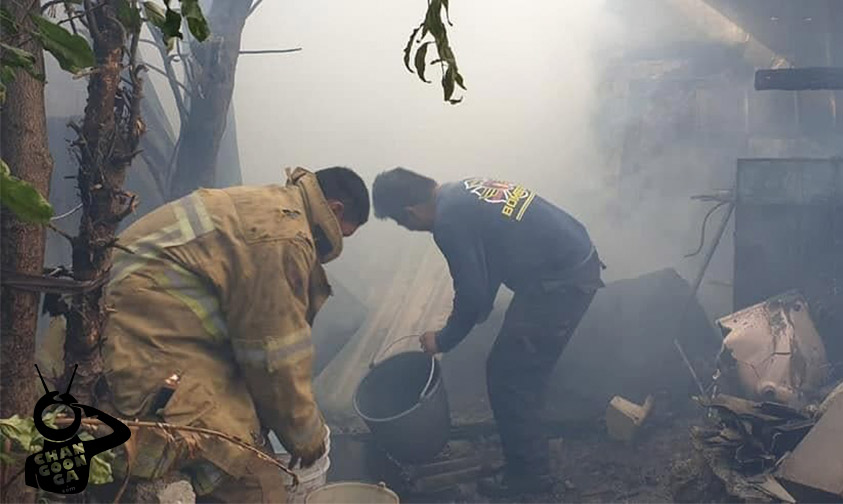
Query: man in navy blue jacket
point(492, 233)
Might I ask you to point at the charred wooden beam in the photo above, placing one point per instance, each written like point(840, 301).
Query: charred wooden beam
point(799, 79)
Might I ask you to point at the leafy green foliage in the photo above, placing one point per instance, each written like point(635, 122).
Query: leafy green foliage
point(71, 51)
point(17, 58)
point(196, 22)
point(169, 21)
point(23, 199)
point(129, 16)
point(421, 54)
point(172, 24)
point(26, 438)
point(435, 27)
point(14, 58)
point(101, 472)
point(22, 432)
point(154, 13)
point(7, 23)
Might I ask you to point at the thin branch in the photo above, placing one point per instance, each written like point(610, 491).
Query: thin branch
point(76, 16)
point(92, 22)
point(162, 72)
point(171, 76)
point(272, 51)
point(51, 3)
point(84, 73)
point(133, 49)
point(62, 233)
point(67, 214)
point(187, 63)
point(68, 11)
point(96, 422)
point(254, 7)
point(170, 173)
point(133, 131)
point(124, 248)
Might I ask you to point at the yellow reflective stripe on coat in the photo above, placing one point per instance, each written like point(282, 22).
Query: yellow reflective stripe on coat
point(196, 295)
point(271, 354)
point(192, 220)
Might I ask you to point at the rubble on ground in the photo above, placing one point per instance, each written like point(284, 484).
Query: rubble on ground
point(783, 440)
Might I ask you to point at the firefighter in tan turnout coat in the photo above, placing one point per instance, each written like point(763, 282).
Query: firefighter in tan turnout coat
point(210, 326)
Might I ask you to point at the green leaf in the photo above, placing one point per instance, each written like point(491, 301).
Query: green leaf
point(7, 75)
point(458, 78)
point(101, 472)
point(172, 24)
point(155, 14)
point(447, 12)
point(196, 22)
point(421, 54)
point(71, 51)
point(168, 21)
point(433, 20)
point(14, 57)
point(128, 15)
point(409, 47)
point(20, 430)
point(23, 199)
point(448, 83)
point(7, 23)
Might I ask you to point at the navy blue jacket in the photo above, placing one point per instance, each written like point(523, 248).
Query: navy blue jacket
point(494, 233)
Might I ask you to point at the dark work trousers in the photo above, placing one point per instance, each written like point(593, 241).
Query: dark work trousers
point(536, 328)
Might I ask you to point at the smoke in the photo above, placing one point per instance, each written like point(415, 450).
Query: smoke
point(347, 99)
point(553, 102)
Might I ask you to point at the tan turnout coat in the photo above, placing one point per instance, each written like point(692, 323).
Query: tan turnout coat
point(221, 289)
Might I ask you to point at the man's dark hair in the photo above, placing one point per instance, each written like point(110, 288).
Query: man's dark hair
point(398, 188)
point(342, 184)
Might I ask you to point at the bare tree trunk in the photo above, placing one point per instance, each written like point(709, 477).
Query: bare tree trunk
point(23, 145)
point(215, 63)
point(108, 139)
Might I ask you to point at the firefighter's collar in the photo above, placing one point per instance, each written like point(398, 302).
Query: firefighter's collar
point(325, 226)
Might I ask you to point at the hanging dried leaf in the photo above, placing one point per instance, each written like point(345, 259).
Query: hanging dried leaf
point(447, 13)
point(434, 26)
point(409, 48)
point(421, 54)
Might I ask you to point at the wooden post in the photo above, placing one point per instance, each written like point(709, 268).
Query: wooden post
point(798, 79)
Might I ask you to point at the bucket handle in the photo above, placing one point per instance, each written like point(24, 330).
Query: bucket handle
point(432, 363)
point(429, 378)
point(381, 352)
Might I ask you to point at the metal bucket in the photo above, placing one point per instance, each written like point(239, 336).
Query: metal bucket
point(404, 403)
point(351, 492)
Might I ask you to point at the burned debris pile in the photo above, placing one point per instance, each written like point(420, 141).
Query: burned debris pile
point(775, 415)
